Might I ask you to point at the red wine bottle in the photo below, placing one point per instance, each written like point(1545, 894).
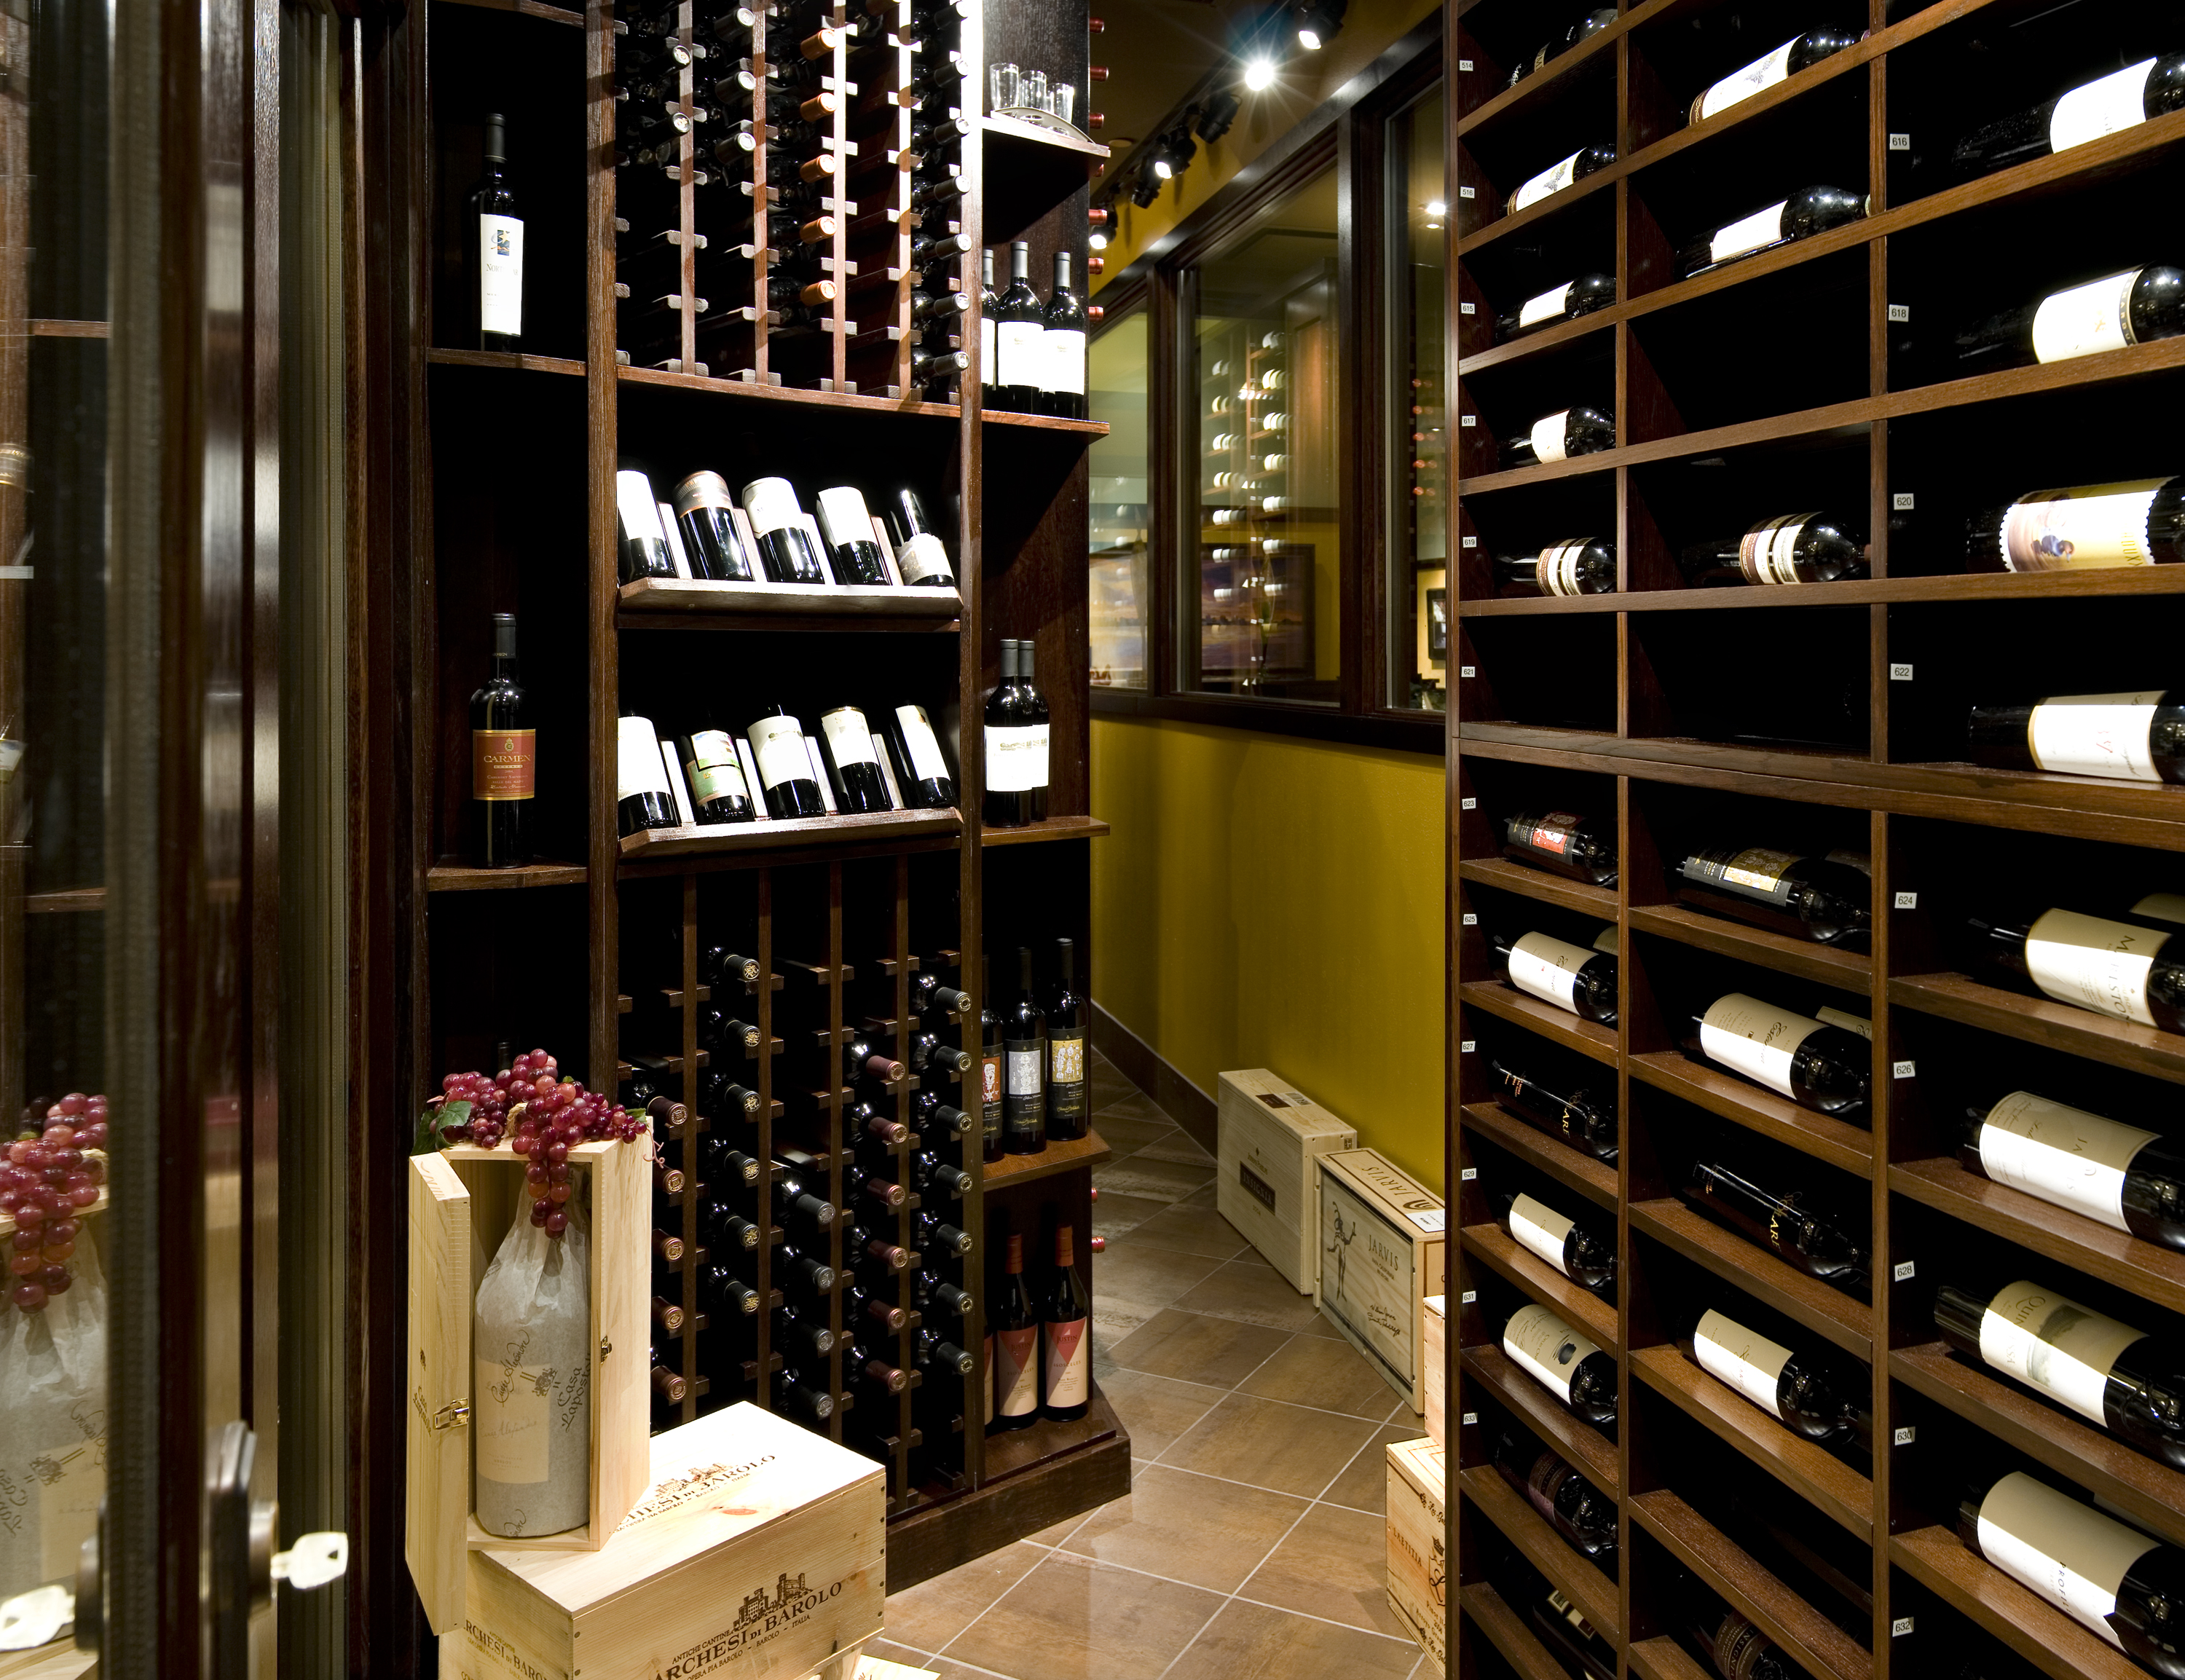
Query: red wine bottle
point(1068, 1052)
point(784, 766)
point(1585, 1256)
point(1794, 1391)
point(716, 776)
point(2137, 306)
point(2140, 522)
point(1805, 212)
point(921, 555)
point(497, 237)
point(1018, 330)
point(1567, 302)
point(1016, 742)
point(1572, 1368)
point(1556, 176)
point(853, 547)
point(1584, 1119)
point(642, 797)
point(784, 546)
point(1062, 347)
point(2135, 736)
point(991, 1077)
point(1805, 897)
point(2121, 1176)
point(1024, 1053)
point(1568, 976)
point(1583, 566)
point(1825, 1069)
point(1791, 548)
point(1563, 843)
point(1065, 1324)
point(1579, 431)
point(1015, 1329)
point(503, 759)
point(1779, 65)
point(1556, 44)
point(643, 551)
point(2108, 104)
point(853, 766)
point(1573, 1506)
point(1781, 1223)
point(2115, 968)
point(921, 771)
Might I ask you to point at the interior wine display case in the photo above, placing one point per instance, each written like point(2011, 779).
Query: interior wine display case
point(1817, 374)
point(594, 949)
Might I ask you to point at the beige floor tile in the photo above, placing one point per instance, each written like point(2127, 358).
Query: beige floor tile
point(1364, 1484)
point(1250, 1289)
point(1127, 1136)
point(1135, 1275)
point(1221, 1352)
point(888, 1651)
point(1177, 1146)
point(1155, 1409)
point(1249, 1640)
point(1055, 1535)
point(1190, 1528)
point(1333, 1376)
point(1112, 1323)
point(928, 1615)
point(1284, 1449)
point(1073, 1619)
point(1113, 1215)
point(1190, 1230)
point(1129, 1103)
point(1162, 1180)
point(1204, 1196)
point(1333, 1564)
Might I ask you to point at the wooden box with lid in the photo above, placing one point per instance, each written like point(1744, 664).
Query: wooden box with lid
point(1270, 1134)
point(1381, 1252)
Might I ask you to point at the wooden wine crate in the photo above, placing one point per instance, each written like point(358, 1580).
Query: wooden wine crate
point(758, 1551)
point(1270, 1133)
point(462, 1202)
point(1419, 1553)
point(1432, 1352)
point(1381, 1254)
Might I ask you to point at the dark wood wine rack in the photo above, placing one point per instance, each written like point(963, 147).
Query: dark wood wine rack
point(1820, 717)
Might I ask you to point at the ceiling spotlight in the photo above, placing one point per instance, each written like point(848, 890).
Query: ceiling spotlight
point(1097, 240)
point(1146, 189)
point(1318, 22)
point(1436, 207)
point(1173, 152)
point(1259, 75)
point(1216, 111)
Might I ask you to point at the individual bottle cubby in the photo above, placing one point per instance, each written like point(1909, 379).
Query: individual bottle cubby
point(1554, 673)
point(1688, 517)
point(1502, 276)
point(1497, 160)
point(1500, 407)
point(1521, 521)
point(1788, 680)
point(1677, 60)
point(491, 979)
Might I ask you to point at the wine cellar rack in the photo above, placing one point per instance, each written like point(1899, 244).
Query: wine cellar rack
point(594, 949)
point(1816, 718)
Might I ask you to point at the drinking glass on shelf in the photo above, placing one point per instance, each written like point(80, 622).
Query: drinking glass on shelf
point(1006, 86)
point(1065, 101)
point(1035, 95)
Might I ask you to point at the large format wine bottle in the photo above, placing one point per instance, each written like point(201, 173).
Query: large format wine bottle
point(2127, 1587)
point(784, 766)
point(845, 744)
point(1570, 1367)
point(1823, 1068)
point(2137, 736)
point(644, 546)
point(1569, 976)
point(785, 548)
point(1584, 1119)
point(1779, 65)
point(1563, 843)
point(2127, 1179)
point(1777, 1381)
point(642, 798)
point(1023, 1056)
point(1791, 548)
point(1018, 330)
point(2106, 105)
point(716, 776)
point(2138, 523)
point(1016, 741)
point(1806, 212)
point(1571, 1504)
point(1553, 180)
point(705, 512)
point(1585, 1257)
point(1583, 566)
point(1567, 302)
point(921, 771)
point(1577, 1645)
point(1811, 1241)
point(2135, 307)
point(1066, 1350)
point(2111, 968)
point(1738, 1649)
point(1579, 431)
point(1783, 891)
point(1016, 1331)
point(2123, 1379)
point(853, 548)
point(503, 759)
point(1069, 1069)
point(1560, 43)
point(497, 236)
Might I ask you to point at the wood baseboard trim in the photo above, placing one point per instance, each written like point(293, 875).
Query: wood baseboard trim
point(1188, 1106)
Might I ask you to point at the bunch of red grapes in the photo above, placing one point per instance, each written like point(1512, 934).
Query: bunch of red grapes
point(49, 1176)
point(551, 1116)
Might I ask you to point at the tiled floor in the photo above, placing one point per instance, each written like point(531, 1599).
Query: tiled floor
point(1251, 1545)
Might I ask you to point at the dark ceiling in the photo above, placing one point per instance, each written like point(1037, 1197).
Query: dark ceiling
point(1156, 50)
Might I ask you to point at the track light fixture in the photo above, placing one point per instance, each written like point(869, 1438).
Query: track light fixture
point(1145, 189)
point(1216, 111)
point(1318, 22)
point(1173, 153)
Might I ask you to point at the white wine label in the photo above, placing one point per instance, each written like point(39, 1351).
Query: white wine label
point(638, 766)
point(2094, 964)
point(501, 274)
point(1557, 568)
point(2086, 320)
point(1540, 1228)
point(512, 1419)
point(1541, 1343)
point(1547, 968)
point(640, 510)
point(926, 763)
point(987, 349)
point(1769, 552)
point(2106, 106)
point(848, 737)
point(1065, 350)
point(770, 504)
point(1016, 757)
point(778, 742)
point(1760, 228)
point(2096, 734)
point(713, 772)
point(2093, 525)
point(922, 557)
point(1545, 307)
point(1757, 1038)
point(1016, 1371)
point(1756, 77)
point(2068, 1553)
point(1607, 941)
point(843, 517)
point(1546, 182)
point(1548, 437)
point(702, 490)
point(1847, 1021)
point(1022, 1071)
point(1017, 358)
point(1744, 1358)
point(2162, 906)
point(1069, 1359)
point(2063, 1155)
point(2062, 1348)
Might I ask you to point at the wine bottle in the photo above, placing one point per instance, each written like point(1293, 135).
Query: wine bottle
point(936, 1118)
point(667, 1385)
point(1584, 1119)
point(853, 546)
point(935, 1236)
point(795, 1202)
point(920, 555)
point(1570, 1367)
point(2135, 307)
point(2109, 104)
point(1556, 44)
point(784, 766)
point(921, 771)
point(2121, 1176)
point(1806, 897)
point(862, 1245)
point(704, 514)
point(1065, 1348)
point(802, 1274)
point(727, 1294)
point(644, 549)
point(1579, 430)
point(937, 1178)
point(800, 1336)
point(667, 1316)
point(726, 1229)
point(1554, 179)
point(858, 1179)
point(846, 746)
point(1583, 566)
point(794, 1397)
point(860, 1307)
point(1062, 348)
point(929, 996)
point(1015, 1329)
point(497, 227)
point(1805, 212)
point(726, 1100)
point(1563, 843)
point(2136, 737)
point(778, 521)
point(2113, 968)
point(2127, 1587)
point(1792, 548)
point(1069, 1071)
point(2141, 522)
point(992, 1052)
point(1569, 976)
point(932, 1294)
point(1584, 1257)
point(1018, 328)
point(1817, 1066)
point(718, 791)
point(1573, 1506)
point(1788, 1388)
point(503, 759)
point(1024, 1053)
point(1738, 1649)
point(990, 393)
point(1779, 65)
point(642, 798)
point(861, 1060)
point(874, 1371)
point(937, 1355)
point(1782, 1224)
point(725, 1164)
point(1016, 742)
point(1567, 302)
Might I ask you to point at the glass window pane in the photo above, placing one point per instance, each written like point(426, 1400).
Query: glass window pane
point(1118, 500)
point(1418, 490)
point(1266, 504)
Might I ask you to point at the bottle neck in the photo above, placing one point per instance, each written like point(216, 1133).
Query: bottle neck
point(1019, 265)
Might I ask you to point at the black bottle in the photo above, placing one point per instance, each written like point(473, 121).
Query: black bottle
point(503, 759)
point(497, 242)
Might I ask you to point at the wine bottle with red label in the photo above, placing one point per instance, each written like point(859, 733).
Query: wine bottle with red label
point(1563, 843)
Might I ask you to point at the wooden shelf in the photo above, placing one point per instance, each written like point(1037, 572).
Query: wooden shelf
point(1031, 169)
point(1088, 1151)
point(1086, 429)
point(1956, 586)
point(794, 396)
point(1565, 1028)
point(1826, 965)
point(2036, 1020)
point(794, 834)
point(529, 8)
point(462, 878)
point(2044, 1636)
point(1827, 1312)
point(1524, 1528)
point(1481, 1607)
point(1758, 1109)
point(690, 604)
point(1047, 828)
point(509, 361)
point(1492, 1247)
point(1662, 1658)
point(70, 901)
point(1584, 1446)
point(1595, 1180)
point(1513, 877)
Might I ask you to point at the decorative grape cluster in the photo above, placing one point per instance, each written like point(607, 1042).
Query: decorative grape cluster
point(550, 1116)
point(49, 1176)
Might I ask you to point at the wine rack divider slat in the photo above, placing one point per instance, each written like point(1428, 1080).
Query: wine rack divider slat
point(1913, 1378)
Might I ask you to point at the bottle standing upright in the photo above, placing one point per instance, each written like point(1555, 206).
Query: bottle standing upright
point(1062, 346)
point(503, 759)
point(1066, 1383)
point(1016, 741)
point(497, 235)
point(1015, 1327)
point(1019, 329)
point(1069, 1077)
point(1024, 1066)
point(990, 1067)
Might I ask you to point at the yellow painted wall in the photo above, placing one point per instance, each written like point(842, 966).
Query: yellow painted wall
point(1265, 901)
